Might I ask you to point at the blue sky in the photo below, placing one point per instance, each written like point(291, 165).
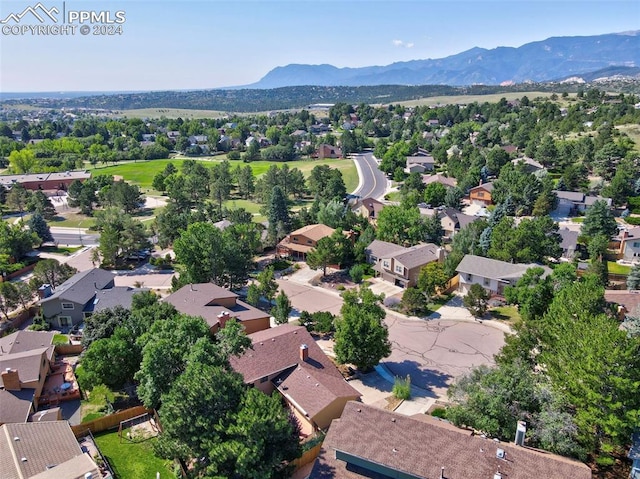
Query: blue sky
point(185, 44)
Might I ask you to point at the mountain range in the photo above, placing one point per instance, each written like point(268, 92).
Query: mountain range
point(552, 59)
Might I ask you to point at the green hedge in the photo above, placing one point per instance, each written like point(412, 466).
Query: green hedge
point(633, 220)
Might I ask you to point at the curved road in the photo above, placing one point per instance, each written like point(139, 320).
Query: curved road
point(373, 182)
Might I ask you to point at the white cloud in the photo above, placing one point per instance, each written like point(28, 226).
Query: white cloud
point(400, 43)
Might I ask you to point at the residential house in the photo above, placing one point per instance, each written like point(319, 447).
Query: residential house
point(481, 194)
point(453, 220)
point(629, 244)
point(576, 201)
point(625, 301)
point(370, 208)
point(368, 442)
point(299, 242)
point(287, 359)
point(173, 135)
point(327, 151)
point(44, 450)
point(399, 265)
point(198, 139)
point(492, 274)
point(216, 306)
point(82, 295)
point(25, 362)
point(439, 178)
point(420, 164)
point(510, 148)
point(433, 122)
point(319, 129)
point(45, 181)
point(530, 165)
point(569, 242)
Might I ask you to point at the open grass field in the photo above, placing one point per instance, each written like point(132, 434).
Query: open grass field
point(633, 131)
point(133, 460)
point(73, 220)
point(465, 99)
point(142, 172)
point(170, 113)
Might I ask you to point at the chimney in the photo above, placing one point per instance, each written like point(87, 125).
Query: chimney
point(44, 291)
point(11, 379)
point(88, 475)
point(521, 430)
point(223, 317)
point(304, 352)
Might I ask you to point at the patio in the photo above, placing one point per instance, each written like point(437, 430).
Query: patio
point(61, 384)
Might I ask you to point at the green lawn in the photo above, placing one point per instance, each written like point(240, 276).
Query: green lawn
point(508, 314)
point(60, 339)
point(615, 268)
point(133, 460)
point(142, 172)
point(73, 221)
point(579, 219)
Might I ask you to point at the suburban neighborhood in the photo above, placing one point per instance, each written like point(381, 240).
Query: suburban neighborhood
point(348, 291)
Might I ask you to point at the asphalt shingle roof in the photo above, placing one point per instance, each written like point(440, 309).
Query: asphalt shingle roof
point(312, 384)
point(493, 268)
point(41, 444)
point(81, 287)
point(380, 439)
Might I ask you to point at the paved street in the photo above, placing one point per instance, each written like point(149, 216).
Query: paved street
point(373, 182)
point(432, 351)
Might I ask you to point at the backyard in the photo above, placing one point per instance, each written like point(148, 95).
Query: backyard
point(133, 460)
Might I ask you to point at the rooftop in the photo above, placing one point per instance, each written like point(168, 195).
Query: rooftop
point(81, 287)
point(493, 268)
point(374, 443)
point(204, 300)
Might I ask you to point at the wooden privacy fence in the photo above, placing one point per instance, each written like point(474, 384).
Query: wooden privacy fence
point(307, 457)
point(64, 349)
point(109, 422)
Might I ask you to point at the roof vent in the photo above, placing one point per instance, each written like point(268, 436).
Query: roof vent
point(16, 438)
point(395, 450)
point(23, 459)
point(393, 419)
point(500, 453)
point(497, 475)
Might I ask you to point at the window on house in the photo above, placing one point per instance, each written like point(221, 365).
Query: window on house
point(309, 242)
point(480, 194)
point(486, 281)
point(399, 269)
point(295, 239)
point(385, 263)
point(469, 277)
point(264, 379)
point(373, 259)
point(636, 244)
point(67, 305)
point(65, 321)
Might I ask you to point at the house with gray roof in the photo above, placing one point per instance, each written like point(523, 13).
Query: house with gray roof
point(569, 242)
point(286, 359)
point(44, 450)
point(492, 274)
point(576, 201)
point(419, 164)
point(81, 296)
point(368, 442)
point(399, 265)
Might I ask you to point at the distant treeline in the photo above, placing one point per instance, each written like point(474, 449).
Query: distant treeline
point(254, 100)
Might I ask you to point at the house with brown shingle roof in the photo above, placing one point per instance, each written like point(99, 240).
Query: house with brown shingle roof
point(216, 306)
point(446, 181)
point(286, 359)
point(25, 362)
point(481, 194)
point(299, 242)
point(370, 208)
point(399, 265)
point(368, 442)
point(44, 450)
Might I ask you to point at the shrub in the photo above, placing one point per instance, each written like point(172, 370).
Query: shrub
point(402, 388)
point(633, 220)
point(340, 287)
point(280, 265)
point(439, 412)
point(391, 302)
point(357, 273)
